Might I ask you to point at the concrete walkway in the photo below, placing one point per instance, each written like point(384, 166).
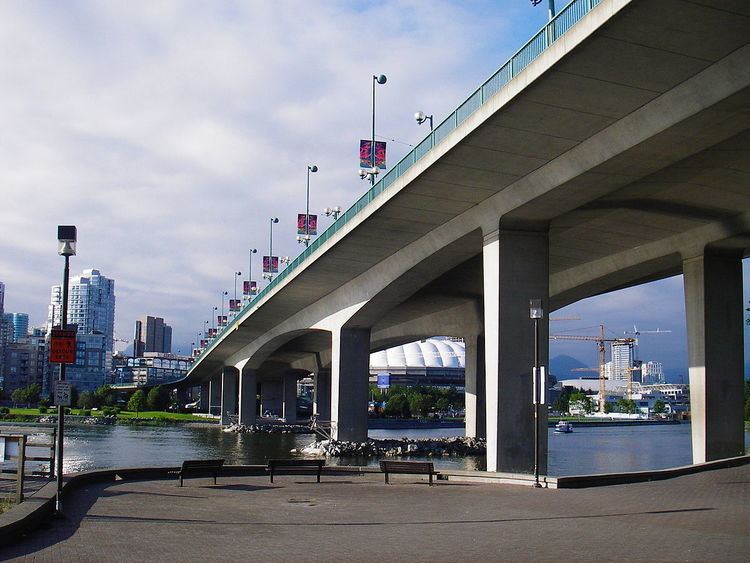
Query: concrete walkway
point(357, 518)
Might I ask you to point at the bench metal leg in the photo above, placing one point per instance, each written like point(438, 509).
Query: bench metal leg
point(319, 470)
point(180, 479)
point(430, 479)
point(387, 482)
point(271, 475)
point(214, 478)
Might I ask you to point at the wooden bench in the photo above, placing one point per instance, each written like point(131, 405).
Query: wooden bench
point(295, 465)
point(407, 467)
point(200, 467)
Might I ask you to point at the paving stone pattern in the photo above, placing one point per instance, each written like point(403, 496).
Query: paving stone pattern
point(357, 518)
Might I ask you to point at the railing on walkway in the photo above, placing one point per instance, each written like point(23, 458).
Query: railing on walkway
point(40, 447)
point(12, 454)
point(551, 32)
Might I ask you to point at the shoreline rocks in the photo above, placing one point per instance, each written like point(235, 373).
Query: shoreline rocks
point(433, 447)
point(268, 429)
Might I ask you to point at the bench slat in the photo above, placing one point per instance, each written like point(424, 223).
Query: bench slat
point(408, 467)
point(295, 465)
point(200, 467)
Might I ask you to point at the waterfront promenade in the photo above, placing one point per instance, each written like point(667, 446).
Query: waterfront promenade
point(705, 516)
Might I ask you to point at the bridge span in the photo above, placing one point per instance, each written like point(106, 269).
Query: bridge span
point(611, 150)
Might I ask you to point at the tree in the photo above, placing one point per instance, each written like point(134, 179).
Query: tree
point(419, 404)
point(397, 405)
point(86, 400)
point(27, 395)
point(157, 398)
point(580, 402)
point(137, 402)
point(607, 407)
point(626, 406)
point(17, 396)
point(660, 407)
point(104, 396)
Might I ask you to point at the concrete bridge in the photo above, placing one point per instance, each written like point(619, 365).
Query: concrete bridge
point(612, 150)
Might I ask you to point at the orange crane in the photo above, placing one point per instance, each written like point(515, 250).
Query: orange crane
point(600, 340)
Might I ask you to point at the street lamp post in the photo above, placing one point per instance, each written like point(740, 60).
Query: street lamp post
point(213, 318)
point(363, 173)
point(223, 295)
point(269, 275)
point(250, 275)
point(536, 312)
point(306, 237)
point(236, 275)
point(66, 236)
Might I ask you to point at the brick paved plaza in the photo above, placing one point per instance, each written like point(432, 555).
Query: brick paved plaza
point(357, 518)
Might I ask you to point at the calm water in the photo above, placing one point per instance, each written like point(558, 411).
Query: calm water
point(585, 451)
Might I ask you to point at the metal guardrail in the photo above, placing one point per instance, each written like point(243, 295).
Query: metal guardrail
point(551, 32)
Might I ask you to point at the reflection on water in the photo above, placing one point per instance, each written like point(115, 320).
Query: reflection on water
point(585, 451)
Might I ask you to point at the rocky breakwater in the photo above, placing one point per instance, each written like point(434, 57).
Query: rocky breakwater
point(88, 420)
point(268, 428)
point(455, 446)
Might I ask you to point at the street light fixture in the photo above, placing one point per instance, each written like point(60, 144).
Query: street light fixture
point(223, 295)
point(67, 236)
point(306, 237)
point(373, 171)
point(269, 275)
point(250, 275)
point(236, 275)
point(332, 211)
point(539, 391)
point(421, 117)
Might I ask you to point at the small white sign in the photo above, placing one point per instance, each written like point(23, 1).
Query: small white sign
point(62, 393)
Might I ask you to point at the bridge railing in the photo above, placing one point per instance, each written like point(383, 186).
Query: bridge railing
point(551, 32)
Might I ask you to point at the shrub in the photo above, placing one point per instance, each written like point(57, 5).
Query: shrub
point(4, 410)
point(42, 409)
point(85, 412)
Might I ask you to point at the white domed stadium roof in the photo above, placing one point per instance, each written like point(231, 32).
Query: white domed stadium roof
point(430, 353)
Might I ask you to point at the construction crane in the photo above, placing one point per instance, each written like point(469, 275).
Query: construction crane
point(600, 340)
point(636, 333)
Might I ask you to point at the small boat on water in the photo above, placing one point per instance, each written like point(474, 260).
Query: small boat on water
point(564, 427)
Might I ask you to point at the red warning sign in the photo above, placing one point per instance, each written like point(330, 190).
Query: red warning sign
point(62, 348)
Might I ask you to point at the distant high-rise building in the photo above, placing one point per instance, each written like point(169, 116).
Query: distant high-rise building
point(20, 323)
point(653, 373)
point(91, 309)
point(622, 360)
point(152, 335)
point(2, 298)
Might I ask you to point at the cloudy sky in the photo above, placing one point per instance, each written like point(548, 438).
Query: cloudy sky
point(170, 132)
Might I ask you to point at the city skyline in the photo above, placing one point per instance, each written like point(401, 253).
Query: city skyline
point(179, 134)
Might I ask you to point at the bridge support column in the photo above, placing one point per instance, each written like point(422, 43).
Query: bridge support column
point(248, 394)
point(228, 394)
point(205, 405)
point(271, 397)
point(350, 371)
point(516, 269)
point(290, 397)
point(713, 306)
point(214, 394)
point(322, 404)
point(475, 387)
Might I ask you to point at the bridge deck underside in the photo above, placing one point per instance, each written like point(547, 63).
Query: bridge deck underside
point(568, 153)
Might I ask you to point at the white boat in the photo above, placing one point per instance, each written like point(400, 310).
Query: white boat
point(564, 427)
